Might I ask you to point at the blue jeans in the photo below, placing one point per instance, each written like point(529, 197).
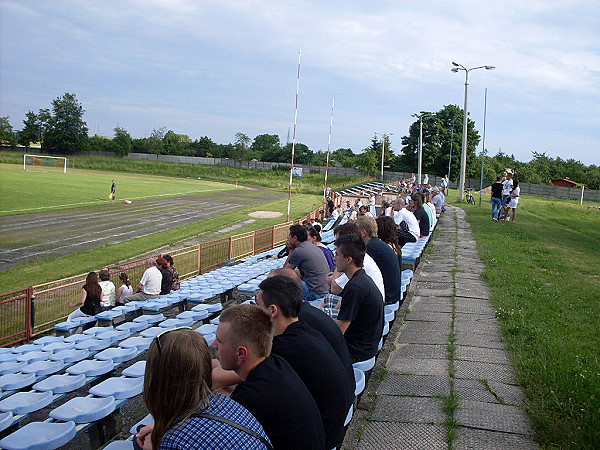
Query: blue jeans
point(308, 294)
point(496, 206)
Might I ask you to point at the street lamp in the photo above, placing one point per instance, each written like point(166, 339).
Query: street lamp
point(383, 135)
point(420, 117)
point(463, 156)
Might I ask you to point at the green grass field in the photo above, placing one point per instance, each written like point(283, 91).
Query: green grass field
point(544, 273)
point(25, 192)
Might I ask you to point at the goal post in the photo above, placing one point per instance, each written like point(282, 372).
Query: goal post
point(44, 163)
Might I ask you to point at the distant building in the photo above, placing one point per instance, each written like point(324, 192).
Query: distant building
point(566, 182)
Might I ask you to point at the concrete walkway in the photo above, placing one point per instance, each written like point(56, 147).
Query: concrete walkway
point(443, 378)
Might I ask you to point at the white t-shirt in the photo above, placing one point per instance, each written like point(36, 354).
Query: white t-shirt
point(371, 269)
point(151, 281)
point(335, 214)
point(389, 212)
point(410, 219)
point(108, 293)
point(507, 187)
point(514, 201)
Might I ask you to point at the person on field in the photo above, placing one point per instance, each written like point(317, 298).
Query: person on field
point(514, 199)
point(91, 295)
point(113, 190)
point(496, 199)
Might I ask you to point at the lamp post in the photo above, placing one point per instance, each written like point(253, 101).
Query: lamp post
point(383, 135)
point(420, 164)
point(451, 144)
point(463, 155)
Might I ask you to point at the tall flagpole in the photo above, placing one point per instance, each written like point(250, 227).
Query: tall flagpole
point(328, 150)
point(294, 139)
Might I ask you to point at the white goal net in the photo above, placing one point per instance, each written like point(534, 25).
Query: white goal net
point(42, 163)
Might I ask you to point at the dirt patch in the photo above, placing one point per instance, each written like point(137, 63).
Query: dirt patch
point(265, 214)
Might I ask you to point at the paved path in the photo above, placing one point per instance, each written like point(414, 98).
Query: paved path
point(444, 379)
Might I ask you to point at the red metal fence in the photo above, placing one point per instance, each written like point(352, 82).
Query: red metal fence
point(28, 312)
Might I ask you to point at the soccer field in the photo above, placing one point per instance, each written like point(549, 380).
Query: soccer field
point(27, 192)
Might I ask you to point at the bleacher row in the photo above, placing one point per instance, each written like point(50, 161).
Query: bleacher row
point(35, 376)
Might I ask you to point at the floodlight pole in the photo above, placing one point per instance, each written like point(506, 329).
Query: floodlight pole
point(289, 205)
point(463, 155)
point(420, 164)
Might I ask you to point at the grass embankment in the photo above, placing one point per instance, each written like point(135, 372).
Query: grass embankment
point(544, 274)
point(57, 268)
point(310, 183)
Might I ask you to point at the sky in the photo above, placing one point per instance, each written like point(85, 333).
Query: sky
point(215, 68)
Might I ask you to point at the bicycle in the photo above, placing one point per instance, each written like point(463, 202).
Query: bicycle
point(470, 198)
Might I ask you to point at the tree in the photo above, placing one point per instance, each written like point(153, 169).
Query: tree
point(155, 141)
point(264, 145)
point(100, 144)
point(32, 131)
point(122, 142)
point(7, 134)
point(241, 147)
point(439, 132)
point(175, 144)
point(67, 131)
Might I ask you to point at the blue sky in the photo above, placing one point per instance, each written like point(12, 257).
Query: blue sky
point(215, 68)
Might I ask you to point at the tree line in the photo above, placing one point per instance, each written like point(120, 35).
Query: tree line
point(61, 129)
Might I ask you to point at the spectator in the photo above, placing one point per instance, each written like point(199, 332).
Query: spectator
point(496, 199)
point(372, 205)
point(176, 284)
point(330, 206)
point(269, 387)
point(408, 227)
point(310, 262)
point(429, 209)
point(507, 185)
point(150, 284)
point(384, 257)
point(167, 276)
point(425, 180)
point(437, 200)
point(384, 206)
point(108, 291)
point(420, 213)
point(336, 213)
point(386, 231)
point(125, 290)
point(321, 322)
point(514, 199)
point(177, 392)
point(361, 313)
point(364, 211)
point(91, 295)
point(309, 354)
point(444, 184)
point(315, 237)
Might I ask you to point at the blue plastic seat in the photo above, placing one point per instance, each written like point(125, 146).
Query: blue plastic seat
point(174, 323)
point(120, 445)
point(148, 420)
point(109, 315)
point(57, 346)
point(41, 368)
point(135, 370)
point(59, 384)
point(40, 436)
point(132, 327)
point(152, 332)
point(138, 342)
point(119, 387)
point(6, 420)
point(207, 329)
point(209, 338)
point(13, 381)
point(216, 320)
point(26, 348)
point(70, 356)
point(30, 357)
point(78, 337)
point(26, 402)
point(211, 308)
point(194, 315)
point(84, 409)
point(96, 330)
point(11, 367)
point(150, 318)
point(386, 329)
point(67, 326)
point(113, 335)
point(91, 367)
point(48, 340)
point(155, 306)
point(366, 365)
point(93, 344)
point(117, 354)
point(389, 315)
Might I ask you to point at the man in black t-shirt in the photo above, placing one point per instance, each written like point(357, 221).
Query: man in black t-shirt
point(361, 314)
point(309, 354)
point(497, 188)
point(270, 389)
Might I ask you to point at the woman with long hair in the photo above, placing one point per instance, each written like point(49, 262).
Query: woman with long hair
point(167, 276)
point(416, 206)
point(315, 237)
point(186, 412)
point(91, 295)
point(125, 290)
point(386, 231)
point(176, 284)
point(514, 199)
